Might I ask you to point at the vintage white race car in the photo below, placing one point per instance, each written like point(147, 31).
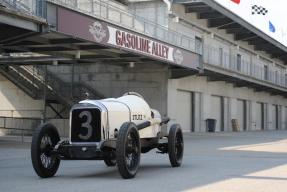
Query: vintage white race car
point(114, 130)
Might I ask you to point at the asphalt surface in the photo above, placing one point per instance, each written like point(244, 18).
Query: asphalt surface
point(250, 161)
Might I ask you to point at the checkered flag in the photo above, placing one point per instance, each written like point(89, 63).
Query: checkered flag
point(259, 10)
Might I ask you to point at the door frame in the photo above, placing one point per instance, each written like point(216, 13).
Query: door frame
point(192, 108)
point(221, 108)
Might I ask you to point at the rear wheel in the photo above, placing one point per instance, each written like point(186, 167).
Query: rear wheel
point(44, 140)
point(175, 145)
point(110, 159)
point(110, 162)
point(128, 150)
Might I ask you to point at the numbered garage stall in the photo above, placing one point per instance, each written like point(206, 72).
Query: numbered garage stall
point(275, 117)
point(184, 106)
point(216, 112)
point(241, 114)
point(259, 116)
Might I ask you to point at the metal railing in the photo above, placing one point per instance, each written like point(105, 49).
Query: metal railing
point(251, 66)
point(67, 91)
point(21, 112)
point(32, 7)
point(104, 10)
point(12, 126)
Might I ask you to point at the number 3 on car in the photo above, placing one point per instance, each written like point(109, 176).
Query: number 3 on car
point(86, 125)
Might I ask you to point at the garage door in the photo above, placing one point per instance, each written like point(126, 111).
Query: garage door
point(215, 111)
point(241, 114)
point(259, 116)
point(184, 116)
point(274, 117)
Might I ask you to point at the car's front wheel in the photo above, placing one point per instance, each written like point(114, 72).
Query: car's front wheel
point(44, 140)
point(128, 150)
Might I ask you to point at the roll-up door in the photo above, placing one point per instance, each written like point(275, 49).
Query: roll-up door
point(216, 111)
point(241, 114)
point(274, 111)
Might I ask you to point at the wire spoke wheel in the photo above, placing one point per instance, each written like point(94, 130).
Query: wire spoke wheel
point(179, 145)
point(110, 159)
point(128, 150)
point(46, 148)
point(132, 150)
point(44, 140)
point(175, 145)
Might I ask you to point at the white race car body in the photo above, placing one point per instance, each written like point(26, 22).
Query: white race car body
point(114, 112)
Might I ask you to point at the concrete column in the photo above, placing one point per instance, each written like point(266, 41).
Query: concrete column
point(227, 124)
point(281, 117)
point(197, 112)
point(284, 115)
point(253, 115)
point(171, 97)
point(248, 115)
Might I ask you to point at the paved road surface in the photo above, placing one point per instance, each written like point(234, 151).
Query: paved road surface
point(237, 162)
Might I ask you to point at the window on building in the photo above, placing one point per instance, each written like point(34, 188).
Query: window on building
point(266, 72)
point(238, 62)
point(285, 79)
point(276, 76)
point(220, 56)
point(198, 45)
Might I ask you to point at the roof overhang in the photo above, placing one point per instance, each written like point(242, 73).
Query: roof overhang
point(71, 39)
point(221, 18)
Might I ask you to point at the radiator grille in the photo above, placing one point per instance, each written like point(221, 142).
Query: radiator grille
point(86, 125)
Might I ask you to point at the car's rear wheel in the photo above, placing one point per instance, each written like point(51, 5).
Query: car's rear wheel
point(175, 145)
point(110, 160)
point(128, 150)
point(44, 140)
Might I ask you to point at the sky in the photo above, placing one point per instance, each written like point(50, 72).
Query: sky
point(273, 23)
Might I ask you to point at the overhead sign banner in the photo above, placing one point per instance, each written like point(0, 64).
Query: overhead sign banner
point(85, 27)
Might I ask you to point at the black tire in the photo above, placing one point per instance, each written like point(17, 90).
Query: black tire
point(44, 140)
point(128, 150)
point(175, 145)
point(110, 160)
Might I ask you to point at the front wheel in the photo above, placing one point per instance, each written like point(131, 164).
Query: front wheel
point(175, 145)
point(128, 150)
point(44, 140)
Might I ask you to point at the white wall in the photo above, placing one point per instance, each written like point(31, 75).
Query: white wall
point(13, 98)
point(206, 89)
